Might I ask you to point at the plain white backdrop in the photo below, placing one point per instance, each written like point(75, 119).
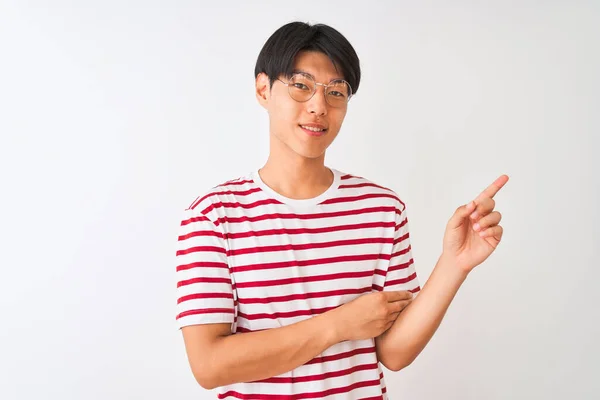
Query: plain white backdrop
point(114, 116)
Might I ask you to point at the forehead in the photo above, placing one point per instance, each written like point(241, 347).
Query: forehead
point(318, 65)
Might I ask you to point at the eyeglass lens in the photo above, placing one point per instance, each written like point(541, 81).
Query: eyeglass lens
point(302, 87)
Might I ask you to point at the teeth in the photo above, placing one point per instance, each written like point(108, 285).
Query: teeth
point(310, 128)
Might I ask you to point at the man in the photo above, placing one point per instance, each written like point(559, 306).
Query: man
point(297, 280)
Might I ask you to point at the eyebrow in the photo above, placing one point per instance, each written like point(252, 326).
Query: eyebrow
point(294, 71)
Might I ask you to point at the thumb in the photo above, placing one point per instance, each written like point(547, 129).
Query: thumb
point(460, 214)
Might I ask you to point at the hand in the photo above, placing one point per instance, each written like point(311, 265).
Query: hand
point(473, 232)
point(369, 315)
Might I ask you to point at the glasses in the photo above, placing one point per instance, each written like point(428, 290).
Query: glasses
point(302, 87)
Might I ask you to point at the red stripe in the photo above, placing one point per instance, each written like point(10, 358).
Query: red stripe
point(200, 233)
point(341, 356)
point(193, 202)
point(402, 280)
point(401, 252)
point(366, 184)
point(284, 231)
point(306, 395)
point(303, 296)
point(205, 311)
point(360, 197)
point(259, 203)
point(398, 267)
point(318, 278)
point(319, 377)
point(333, 214)
point(237, 204)
point(350, 176)
point(200, 218)
point(227, 192)
point(305, 263)
point(401, 238)
point(196, 249)
point(308, 246)
point(228, 183)
point(287, 314)
point(401, 224)
point(197, 296)
point(414, 290)
point(233, 182)
point(201, 264)
point(203, 280)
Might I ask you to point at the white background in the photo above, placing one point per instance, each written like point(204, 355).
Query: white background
point(115, 115)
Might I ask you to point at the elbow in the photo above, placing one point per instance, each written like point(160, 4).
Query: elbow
point(396, 366)
point(206, 375)
point(205, 379)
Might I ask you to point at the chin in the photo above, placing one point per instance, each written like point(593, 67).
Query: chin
point(309, 153)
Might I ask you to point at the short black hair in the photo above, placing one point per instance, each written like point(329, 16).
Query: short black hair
point(279, 51)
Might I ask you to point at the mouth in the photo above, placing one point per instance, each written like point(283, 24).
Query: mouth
point(313, 130)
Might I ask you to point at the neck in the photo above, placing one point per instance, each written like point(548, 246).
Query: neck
point(294, 176)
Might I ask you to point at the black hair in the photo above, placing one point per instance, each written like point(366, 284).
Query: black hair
point(279, 51)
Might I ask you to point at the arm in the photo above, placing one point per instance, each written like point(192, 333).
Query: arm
point(218, 358)
point(206, 311)
point(403, 342)
point(472, 234)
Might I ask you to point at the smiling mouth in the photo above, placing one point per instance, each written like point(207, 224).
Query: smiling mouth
point(313, 131)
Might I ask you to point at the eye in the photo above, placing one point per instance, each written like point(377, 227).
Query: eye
point(337, 94)
point(300, 86)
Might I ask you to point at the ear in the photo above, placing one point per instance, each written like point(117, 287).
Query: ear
point(263, 89)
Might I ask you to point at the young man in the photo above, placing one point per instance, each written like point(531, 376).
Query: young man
point(297, 280)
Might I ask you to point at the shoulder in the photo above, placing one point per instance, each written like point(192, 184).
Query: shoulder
point(352, 184)
point(230, 191)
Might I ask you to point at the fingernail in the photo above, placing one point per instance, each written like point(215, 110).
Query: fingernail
point(482, 233)
point(476, 227)
point(474, 215)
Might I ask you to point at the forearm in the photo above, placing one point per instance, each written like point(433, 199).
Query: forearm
point(416, 324)
point(252, 356)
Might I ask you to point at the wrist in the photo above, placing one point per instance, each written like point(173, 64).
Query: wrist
point(331, 327)
point(451, 266)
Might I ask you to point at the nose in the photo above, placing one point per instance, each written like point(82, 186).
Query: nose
point(317, 104)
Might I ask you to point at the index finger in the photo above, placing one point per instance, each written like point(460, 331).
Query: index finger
point(398, 295)
point(494, 188)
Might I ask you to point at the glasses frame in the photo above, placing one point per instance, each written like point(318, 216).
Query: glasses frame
point(325, 87)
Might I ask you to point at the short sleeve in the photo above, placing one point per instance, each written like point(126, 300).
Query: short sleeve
point(401, 273)
point(204, 287)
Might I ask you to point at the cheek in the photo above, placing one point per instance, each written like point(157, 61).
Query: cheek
point(337, 118)
point(285, 113)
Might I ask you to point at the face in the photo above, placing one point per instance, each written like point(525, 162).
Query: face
point(289, 118)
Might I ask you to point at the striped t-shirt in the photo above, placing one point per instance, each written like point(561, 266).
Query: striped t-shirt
point(248, 256)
